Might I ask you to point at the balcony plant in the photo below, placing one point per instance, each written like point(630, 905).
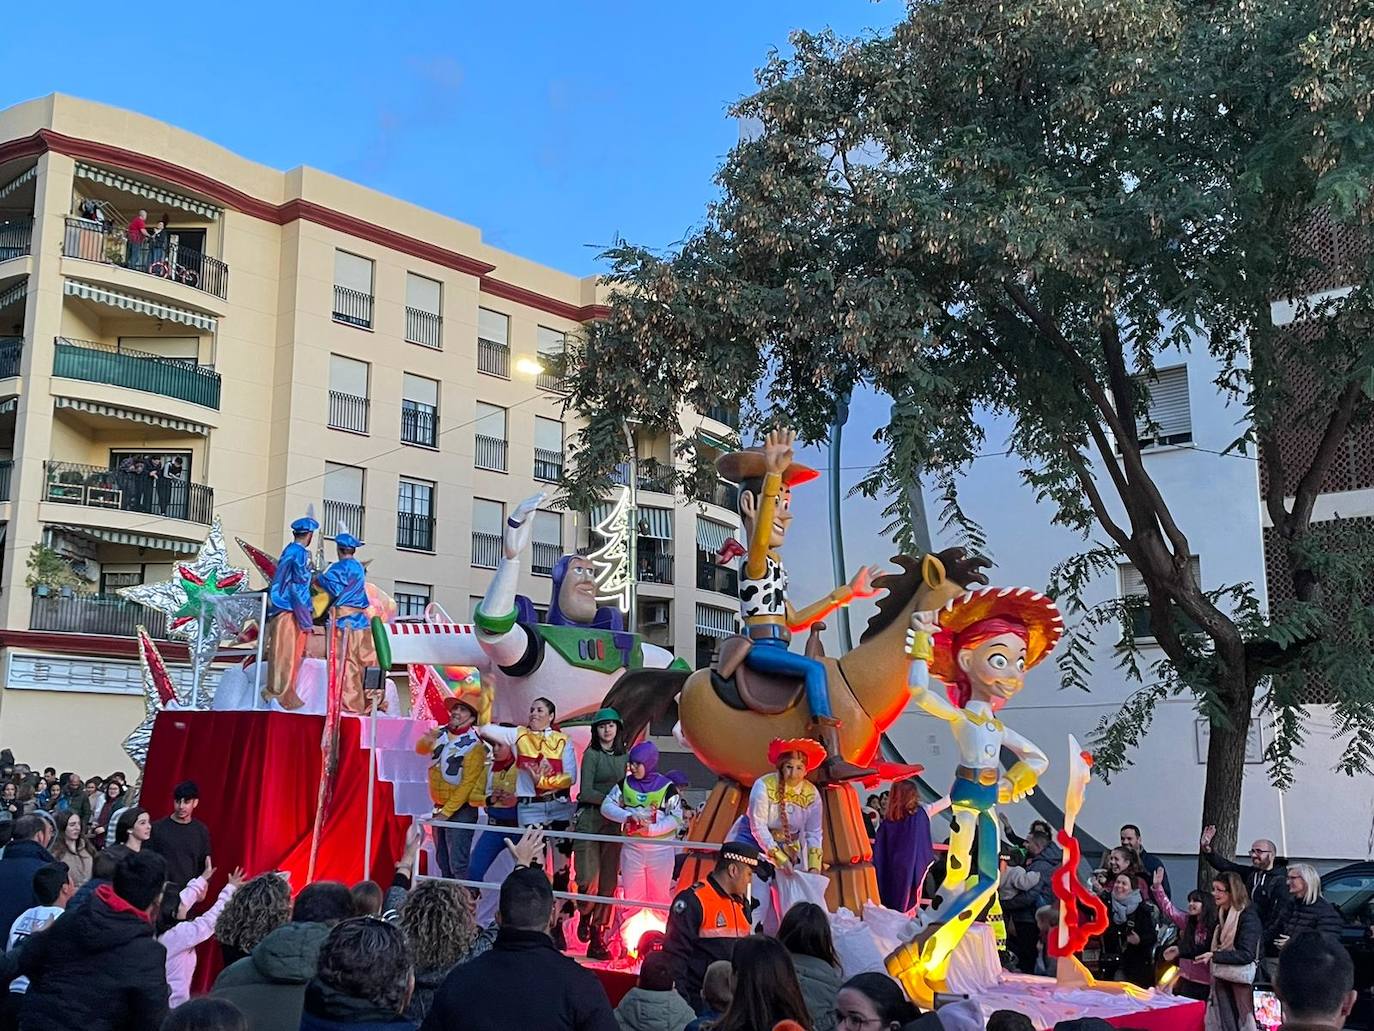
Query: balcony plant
point(49, 571)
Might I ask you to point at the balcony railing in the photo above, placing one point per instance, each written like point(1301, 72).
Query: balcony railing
point(550, 376)
point(656, 476)
point(711, 577)
point(726, 495)
point(414, 531)
point(352, 307)
point(347, 512)
point(543, 556)
point(725, 414)
point(424, 327)
point(11, 351)
point(6, 468)
point(165, 258)
point(654, 568)
point(16, 237)
point(490, 453)
point(493, 358)
point(419, 424)
point(548, 465)
point(137, 370)
point(486, 549)
point(348, 412)
point(107, 614)
point(128, 490)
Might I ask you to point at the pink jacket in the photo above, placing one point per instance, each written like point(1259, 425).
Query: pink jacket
point(182, 939)
point(1188, 969)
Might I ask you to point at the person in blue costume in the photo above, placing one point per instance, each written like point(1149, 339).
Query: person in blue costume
point(345, 581)
point(289, 615)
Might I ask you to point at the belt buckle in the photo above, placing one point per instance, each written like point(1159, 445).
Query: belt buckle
point(987, 777)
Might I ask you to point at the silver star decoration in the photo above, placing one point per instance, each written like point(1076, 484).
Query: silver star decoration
point(157, 686)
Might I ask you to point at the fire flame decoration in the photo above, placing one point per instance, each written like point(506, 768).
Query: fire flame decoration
point(612, 560)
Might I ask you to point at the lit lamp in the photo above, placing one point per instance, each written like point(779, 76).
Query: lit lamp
point(527, 366)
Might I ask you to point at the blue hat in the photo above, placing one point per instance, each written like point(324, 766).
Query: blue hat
point(305, 524)
point(347, 540)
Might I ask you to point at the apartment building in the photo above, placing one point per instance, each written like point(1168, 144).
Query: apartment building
point(284, 339)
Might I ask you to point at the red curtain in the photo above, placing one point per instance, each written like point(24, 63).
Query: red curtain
point(259, 774)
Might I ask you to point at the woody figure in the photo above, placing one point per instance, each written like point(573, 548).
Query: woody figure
point(766, 477)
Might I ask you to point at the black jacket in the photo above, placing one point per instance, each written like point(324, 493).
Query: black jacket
point(521, 982)
point(1248, 944)
point(17, 867)
point(96, 969)
point(1268, 888)
point(1320, 916)
point(1132, 962)
point(689, 949)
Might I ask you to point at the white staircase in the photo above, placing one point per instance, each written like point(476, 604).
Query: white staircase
point(397, 762)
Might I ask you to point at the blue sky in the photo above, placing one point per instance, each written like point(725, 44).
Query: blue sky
point(550, 126)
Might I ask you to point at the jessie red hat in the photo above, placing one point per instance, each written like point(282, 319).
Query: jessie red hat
point(810, 751)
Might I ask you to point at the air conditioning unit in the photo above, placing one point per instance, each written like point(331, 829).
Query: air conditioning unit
point(655, 614)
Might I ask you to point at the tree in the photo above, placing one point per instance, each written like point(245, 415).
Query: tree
point(1018, 207)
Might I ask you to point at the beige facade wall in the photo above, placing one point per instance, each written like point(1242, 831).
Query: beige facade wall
point(264, 450)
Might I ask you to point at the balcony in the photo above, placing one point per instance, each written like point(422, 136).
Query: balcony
point(137, 370)
point(68, 483)
point(424, 328)
point(96, 241)
point(414, 531)
point(16, 238)
point(419, 424)
point(493, 358)
point(486, 549)
point(6, 470)
point(724, 414)
point(352, 307)
point(653, 475)
point(543, 556)
point(726, 495)
point(654, 568)
point(490, 453)
point(711, 577)
point(348, 412)
point(550, 376)
point(350, 513)
point(11, 351)
point(548, 465)
point(64, 612)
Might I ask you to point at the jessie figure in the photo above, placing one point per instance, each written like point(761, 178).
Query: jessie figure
point(980, 645)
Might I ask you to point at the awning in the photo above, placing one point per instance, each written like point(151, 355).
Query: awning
point(8, 405)
point(154, 193)
point(138, 540)
point(77, 404)
point(131, 302)
point(714, 622)
point(711, 535)
point(656, 523)
point(18, 181)
point(711, 440)
point(14, 294)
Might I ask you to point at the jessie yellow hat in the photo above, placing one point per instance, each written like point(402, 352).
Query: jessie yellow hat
point(1036, 612)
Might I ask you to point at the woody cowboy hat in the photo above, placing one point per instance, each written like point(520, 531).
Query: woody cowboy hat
point(748, 464)
point(1036, 612)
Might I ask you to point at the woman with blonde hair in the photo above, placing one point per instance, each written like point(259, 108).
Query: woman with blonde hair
point(70, 846)
point(258, 908)
point(1236, 947)
point(1306, 909)
point(438, 920)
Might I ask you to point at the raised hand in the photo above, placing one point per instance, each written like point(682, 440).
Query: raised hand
point(529, 847)
point(209, 872)
point(1159, 878)
point(1208, 833)
point(777, 450)
point(520, 526)
point(236, 878)
point(862, 584)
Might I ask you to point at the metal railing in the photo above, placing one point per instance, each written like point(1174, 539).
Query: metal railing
point(16, 238)
point(548, 465)
point(348, 412)
point(493, 358)
point(120, 367)
point(348, 512)
point(352, 307)
point(490, 453)
point(62, 611)
point(550, 376)
point(654, 568)
point(128, 490)
point(726, 495)
point(6, 469)
point(711, 577)
point(424, 328)
point(656, 476)
point(486, 549)
point(419, 424)
point(11, 351)
point(414, 531)
point(724, 413)
point(543, 556)
point(160, 256)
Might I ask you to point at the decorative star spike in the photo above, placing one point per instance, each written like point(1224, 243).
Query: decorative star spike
point(198, 588)
point(179, 597)
point(159, 692)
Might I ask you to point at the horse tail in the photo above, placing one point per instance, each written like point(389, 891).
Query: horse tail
point(642, 696)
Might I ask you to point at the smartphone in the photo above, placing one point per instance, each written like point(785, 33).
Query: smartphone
point(1268, 1010)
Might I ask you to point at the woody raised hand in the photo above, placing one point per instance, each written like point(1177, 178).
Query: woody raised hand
point(778, 450)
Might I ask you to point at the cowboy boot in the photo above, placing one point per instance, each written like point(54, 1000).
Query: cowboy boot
point(836, 767)
point(598, 949)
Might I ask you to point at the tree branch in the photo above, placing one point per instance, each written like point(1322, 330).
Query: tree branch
point(1089, 485)
point(1305, 497)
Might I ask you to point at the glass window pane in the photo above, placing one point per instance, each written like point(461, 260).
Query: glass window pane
point(551, 341)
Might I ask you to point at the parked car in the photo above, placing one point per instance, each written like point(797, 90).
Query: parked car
point(1351, 890)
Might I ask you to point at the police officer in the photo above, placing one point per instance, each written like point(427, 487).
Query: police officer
point(709, 917)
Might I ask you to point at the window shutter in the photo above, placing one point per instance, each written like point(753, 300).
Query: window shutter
point(491, 421)
point(488, 516)
point(548, 528)
point(353, 272)
point(343, 483)
point(347, 375)
point(420, 390)
point(548, 434)
point(493, 326)
point(422, 294)
point(551, 341)
point(1169, 411)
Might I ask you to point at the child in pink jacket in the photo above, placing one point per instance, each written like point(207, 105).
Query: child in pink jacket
point(181, 937)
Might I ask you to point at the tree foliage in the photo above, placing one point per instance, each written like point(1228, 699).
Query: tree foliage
point(1023, 207)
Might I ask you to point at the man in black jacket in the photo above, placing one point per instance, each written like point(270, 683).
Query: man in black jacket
point(523, 981)
point(1264, 878)
point(24, 855)
point(100, 968)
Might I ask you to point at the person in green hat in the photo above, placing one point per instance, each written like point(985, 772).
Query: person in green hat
point(598, 862)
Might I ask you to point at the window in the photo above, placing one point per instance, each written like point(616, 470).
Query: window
point(1168, 418)
point(490, 447)
point(410, 598)
point(343, 499)
point(415, 515)
point(493, 343)
point(348, 400)
point(488, 524)
point(424, 323)
point(713, 624)
point(548, 449)
point(1133, 586)
point(654, 545)
point(551, 345)
point(711, 576)
point(546, 542)
point(352, 290)
point(419, 411)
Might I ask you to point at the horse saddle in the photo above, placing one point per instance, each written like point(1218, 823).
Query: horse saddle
point(748, 690)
